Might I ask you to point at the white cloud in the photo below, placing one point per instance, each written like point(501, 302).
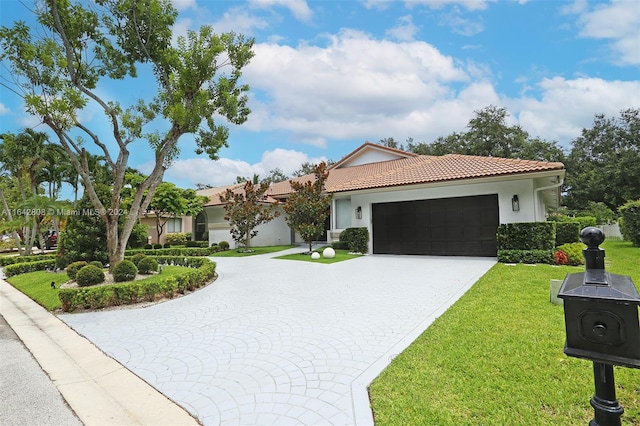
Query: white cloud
point(565, 107)
point(184, 4)
point(299, 8)
point(618, 21)
point(240, 21)
point(342, 90)
point(438, 4)
point(224, 171)
point(463, 26)
point(405, 30)
point(4, 109)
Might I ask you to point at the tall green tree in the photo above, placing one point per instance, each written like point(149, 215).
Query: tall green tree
point(604, 163)
point(61, 67)
point(489, 134)
point(246, 210)
point(308, 206)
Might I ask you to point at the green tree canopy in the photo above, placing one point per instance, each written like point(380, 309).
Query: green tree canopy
point(61, 68)
point(247, 209)
point(604, 163)
point(308, 206)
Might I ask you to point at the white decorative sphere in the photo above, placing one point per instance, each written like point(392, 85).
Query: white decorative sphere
point(329, 253)
point(315, 255)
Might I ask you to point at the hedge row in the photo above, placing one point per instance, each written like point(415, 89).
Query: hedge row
point(136, 291)
point(525, 256)
point(527, 236)
point(23, 268)
point(10, 260)
point(630, 222)
point(175, 251)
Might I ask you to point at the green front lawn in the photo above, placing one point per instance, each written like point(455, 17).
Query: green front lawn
point(37, 285)
point(340, 256)
point(496, 358)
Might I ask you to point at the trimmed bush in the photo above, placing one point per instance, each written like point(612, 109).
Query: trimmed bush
point(96, 263)
point(525, 256)
point(340, 245)
point(89, 275)
point(157, 246)
point(136, 258)
point(527, 236)
point(585, 221)
point(192, 243)
point(567, 232)
point(357, 239)
point(23, 268)
point(166, 245)
point(573, 252)
point(223, 245)
point(74, 267)
point(125, 270)
point(178, 238)
point(10, 260)
point(147, 265)
point(148, 246)
point(630, 222)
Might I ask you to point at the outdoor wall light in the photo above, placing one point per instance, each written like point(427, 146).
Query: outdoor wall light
point(515, 203)
point(358, 212)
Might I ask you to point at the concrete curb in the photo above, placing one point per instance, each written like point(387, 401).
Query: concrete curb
point(97, 388)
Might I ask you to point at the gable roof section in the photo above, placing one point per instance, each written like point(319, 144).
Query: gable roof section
point(369, 153)
point(420, 169)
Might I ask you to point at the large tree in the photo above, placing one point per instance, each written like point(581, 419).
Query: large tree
point(489, 134)
point(61, 69)
point(604, 163)
point(308, 205)
point(246, 209)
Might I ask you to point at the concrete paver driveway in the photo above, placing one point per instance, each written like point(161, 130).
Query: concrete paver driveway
point(283, 342)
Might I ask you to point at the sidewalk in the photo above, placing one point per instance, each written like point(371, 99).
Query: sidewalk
point(97, 388)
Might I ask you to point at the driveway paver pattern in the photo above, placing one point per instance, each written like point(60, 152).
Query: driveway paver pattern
point(279, 342)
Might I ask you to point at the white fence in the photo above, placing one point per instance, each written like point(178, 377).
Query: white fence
point(611, 232)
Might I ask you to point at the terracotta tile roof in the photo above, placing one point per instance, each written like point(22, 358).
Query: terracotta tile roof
point(214, 194)
point(420, 169)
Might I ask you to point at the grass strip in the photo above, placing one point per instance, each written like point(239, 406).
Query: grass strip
point(340, 256)
point(253, 251)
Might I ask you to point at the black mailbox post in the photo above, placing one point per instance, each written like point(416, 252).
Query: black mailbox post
point(601, 319)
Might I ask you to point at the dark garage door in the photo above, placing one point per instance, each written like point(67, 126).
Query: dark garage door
point(463, 226)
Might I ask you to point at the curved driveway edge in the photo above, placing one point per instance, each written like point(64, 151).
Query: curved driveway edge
point(283, 342)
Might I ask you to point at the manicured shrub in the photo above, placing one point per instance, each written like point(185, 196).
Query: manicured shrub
point(177, 238)
point(166, 245)
point(97, 264)
point(147, 265)
point(74, 267)
point(148, 246)
point(125, 270)
point(585, 221)
point(357, 239)
point(527, 236)
point(223, 245)
point(567, 232)
point(89, 275)
point(23, 268)
point(192, 243)
point(573, 252)
point(525, 256)
point(136, 258)
point(157, 246)
point(340, 245)
point(630, 222)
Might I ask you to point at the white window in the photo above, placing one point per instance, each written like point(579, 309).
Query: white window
point(343, 213)
point(174, 225)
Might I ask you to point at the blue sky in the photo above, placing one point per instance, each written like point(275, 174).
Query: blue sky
point(329, 75)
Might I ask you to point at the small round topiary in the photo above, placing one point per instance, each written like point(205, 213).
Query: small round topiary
point(157, 246)
point(74, 267)
point(147, 265)
point(89, 275)
point(167, 245)
point(223, 245)
point(124, 270)
point(96, 263)
point(148, 246)
point(137, 258)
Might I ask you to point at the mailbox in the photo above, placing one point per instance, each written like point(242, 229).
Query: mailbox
point(601, 310)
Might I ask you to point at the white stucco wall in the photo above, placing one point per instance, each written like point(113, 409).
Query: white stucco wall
point(276, 232)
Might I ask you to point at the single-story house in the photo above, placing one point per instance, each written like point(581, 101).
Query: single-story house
point(413, 204)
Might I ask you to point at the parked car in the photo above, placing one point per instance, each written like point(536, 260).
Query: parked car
point(50, 240)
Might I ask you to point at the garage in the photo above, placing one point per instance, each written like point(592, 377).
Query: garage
point(460, 226)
